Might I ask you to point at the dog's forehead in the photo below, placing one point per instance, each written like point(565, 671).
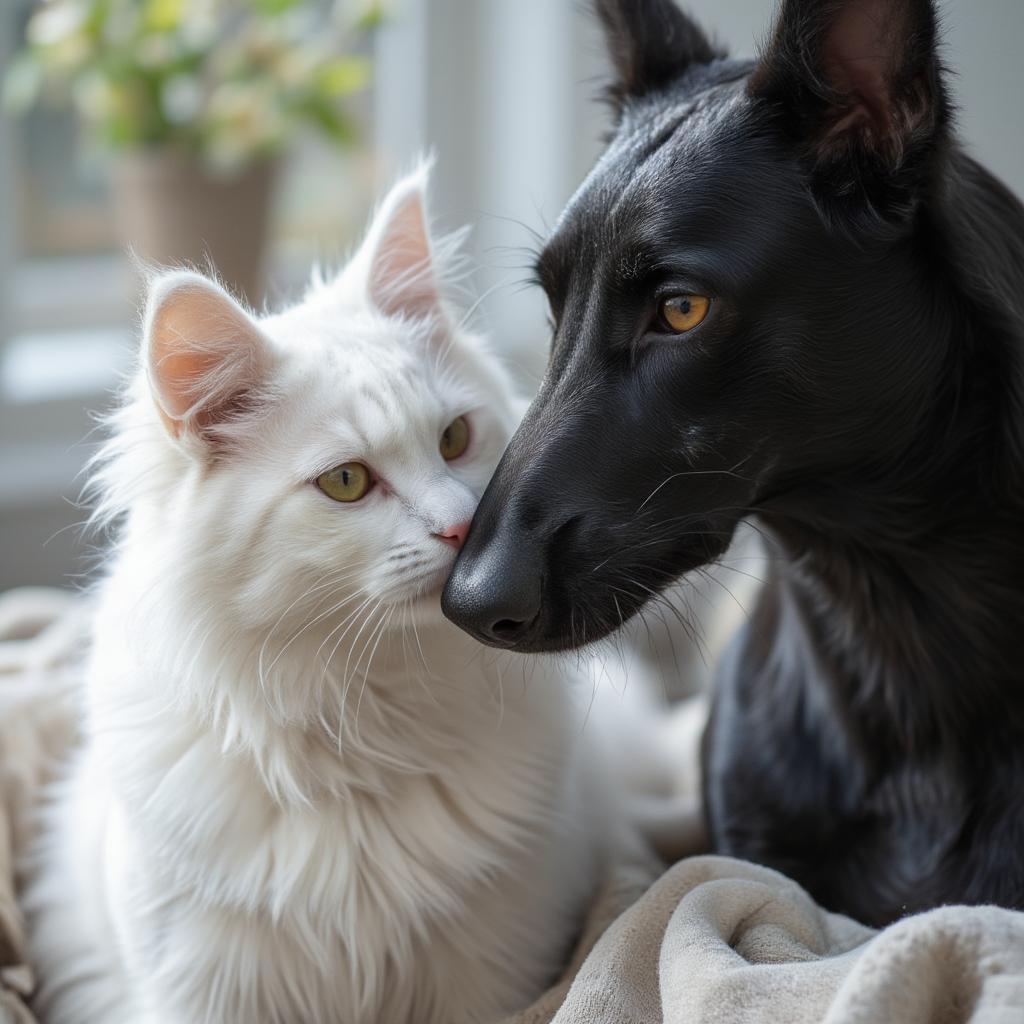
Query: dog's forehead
point(671, 158)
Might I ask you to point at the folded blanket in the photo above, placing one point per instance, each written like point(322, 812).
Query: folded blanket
point(41, 640)
point(712, 941)
point(719, 941)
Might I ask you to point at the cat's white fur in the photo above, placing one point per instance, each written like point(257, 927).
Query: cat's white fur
point(303, 797)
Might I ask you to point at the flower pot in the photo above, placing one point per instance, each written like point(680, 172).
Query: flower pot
point(173, 211)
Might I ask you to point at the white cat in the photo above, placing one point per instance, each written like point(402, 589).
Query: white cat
point(303, 796)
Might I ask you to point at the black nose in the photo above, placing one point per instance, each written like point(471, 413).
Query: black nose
point(494, 593)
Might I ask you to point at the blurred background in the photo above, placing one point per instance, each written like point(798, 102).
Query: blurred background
point(261, 131)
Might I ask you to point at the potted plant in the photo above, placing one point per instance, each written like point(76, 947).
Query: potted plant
point(198, 99)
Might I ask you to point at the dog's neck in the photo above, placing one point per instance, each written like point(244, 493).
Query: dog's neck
point(906, 599)
point(903, 584)
point(919, 641)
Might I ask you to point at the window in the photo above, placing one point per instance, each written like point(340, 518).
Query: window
point(66, 261)
point(69, 298)
point(500, 91)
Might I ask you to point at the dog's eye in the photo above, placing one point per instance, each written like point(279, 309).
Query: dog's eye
point(347, 482)
point(681, 313)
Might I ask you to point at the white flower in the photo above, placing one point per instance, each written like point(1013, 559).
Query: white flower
point(181, 99)
point(55, 22)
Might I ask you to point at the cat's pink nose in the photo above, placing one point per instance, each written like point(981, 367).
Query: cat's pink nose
point(455, 535)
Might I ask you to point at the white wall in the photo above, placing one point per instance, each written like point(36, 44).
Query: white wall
point(984, 39)
point(500, 91)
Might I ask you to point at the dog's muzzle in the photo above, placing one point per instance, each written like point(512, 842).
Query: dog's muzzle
point(495, 590)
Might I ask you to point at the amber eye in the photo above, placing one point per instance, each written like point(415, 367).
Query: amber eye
point(681, 313)
point(347, 482)
point(455, 439)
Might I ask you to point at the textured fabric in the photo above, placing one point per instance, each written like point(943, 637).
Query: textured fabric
point(41, 634)
point(712, 941)
point(719, 941)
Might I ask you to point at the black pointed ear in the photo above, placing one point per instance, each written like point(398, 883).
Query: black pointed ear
point(859, 85)
point(650, 42)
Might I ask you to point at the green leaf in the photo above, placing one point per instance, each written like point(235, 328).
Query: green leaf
point(343, 75)
point(163, 15)
point(274, 7)
point(333, 123)
point(372, 16)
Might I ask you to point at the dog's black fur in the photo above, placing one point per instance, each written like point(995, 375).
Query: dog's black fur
point(856, 388)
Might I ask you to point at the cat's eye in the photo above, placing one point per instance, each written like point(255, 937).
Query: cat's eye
point(455, 439)
point(348, 482)
point(681, 313)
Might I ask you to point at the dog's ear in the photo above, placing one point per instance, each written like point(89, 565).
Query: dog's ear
point(859, 85)
point(650, 43)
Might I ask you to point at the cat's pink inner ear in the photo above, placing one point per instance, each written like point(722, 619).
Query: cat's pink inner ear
point(403, 281)
point(205, 355)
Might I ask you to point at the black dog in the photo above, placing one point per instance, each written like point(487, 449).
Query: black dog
point(785, 292)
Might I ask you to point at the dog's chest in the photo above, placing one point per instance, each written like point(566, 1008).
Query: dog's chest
point(788, 785)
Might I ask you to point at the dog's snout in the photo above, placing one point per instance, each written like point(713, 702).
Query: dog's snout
point(494, 595)
point(505, 580)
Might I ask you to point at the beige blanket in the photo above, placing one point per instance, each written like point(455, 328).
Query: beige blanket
point(719, 941)
point(712, 941)
point(41, 633)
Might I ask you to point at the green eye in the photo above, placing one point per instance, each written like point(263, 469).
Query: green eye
point(347, 482)
point(455, 440)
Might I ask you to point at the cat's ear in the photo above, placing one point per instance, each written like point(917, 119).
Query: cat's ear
point(858, 84)
point(398, 256)
point(650, 42)
point(205, 358)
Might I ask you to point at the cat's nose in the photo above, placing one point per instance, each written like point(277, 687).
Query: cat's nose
point(454, 535)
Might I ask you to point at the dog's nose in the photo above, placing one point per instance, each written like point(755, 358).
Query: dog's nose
point(494, 594)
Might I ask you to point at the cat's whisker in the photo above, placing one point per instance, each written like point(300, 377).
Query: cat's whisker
point(346, 679)
point(355, 640)
point(413, 671)
point(312, 622)
point(346, 623)
point(351, 619)
point(385, 623)
point(402, 626)
point(324, 582)
point(409, 619)
point(419, 647)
